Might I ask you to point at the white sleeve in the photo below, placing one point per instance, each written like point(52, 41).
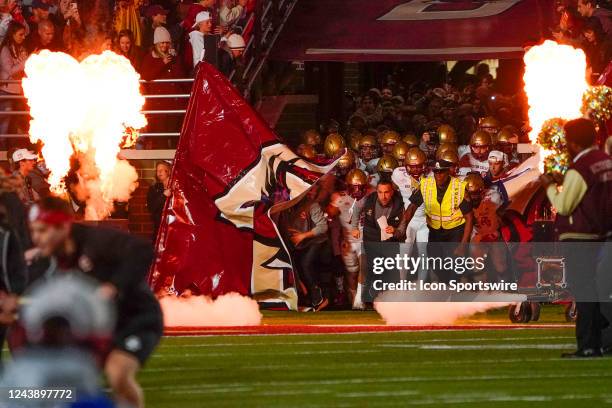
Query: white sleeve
point(197, 46)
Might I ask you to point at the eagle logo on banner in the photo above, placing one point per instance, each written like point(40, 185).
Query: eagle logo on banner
point(230, 171)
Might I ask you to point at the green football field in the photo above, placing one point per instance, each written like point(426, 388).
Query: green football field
point(517, 367)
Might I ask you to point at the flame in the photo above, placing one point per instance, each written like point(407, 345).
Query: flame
point(555, 80)
point(88, 110)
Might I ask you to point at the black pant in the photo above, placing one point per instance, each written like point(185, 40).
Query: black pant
point(442, 243)
point(309, 260)
point(581, 268)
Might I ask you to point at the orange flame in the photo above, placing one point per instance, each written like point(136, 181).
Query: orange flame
point(86, 109)
point(555, 80)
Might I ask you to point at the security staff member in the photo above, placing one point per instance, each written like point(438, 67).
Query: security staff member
point(384, 202)
point(584, 215)
point(448, 212)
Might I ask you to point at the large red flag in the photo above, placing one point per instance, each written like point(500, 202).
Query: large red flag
point(229, 169)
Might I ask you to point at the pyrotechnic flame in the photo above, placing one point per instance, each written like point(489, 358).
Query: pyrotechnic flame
point(555, 80)
point(90, 109)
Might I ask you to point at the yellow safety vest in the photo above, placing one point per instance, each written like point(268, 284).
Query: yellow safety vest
point(446, 215)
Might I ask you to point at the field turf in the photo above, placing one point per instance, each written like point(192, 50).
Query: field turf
point(517, 367)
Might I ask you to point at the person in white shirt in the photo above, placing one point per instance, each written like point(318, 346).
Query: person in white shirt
point(231, 11)
point(202, 26)
point(346, 204)
point(476, 160)
point(407, 178)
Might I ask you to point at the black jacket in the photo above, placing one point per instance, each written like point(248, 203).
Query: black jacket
point(13, 270)
point(371, 230)
point(112, 256)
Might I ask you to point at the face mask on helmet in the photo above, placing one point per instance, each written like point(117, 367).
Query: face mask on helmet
point(367, 152)
point(480, 152)
point(416, 170)
point(357, 191)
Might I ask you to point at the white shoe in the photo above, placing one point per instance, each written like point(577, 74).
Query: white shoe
point(357, 303)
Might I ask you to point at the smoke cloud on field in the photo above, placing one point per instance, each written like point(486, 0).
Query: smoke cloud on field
point(431, 313)
point(232, 309)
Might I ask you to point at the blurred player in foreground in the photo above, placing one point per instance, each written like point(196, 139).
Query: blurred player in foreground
point(118, 263)
point(65, 324)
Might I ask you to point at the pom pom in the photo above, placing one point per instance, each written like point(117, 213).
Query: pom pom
point(552, 140)
point(597, 103)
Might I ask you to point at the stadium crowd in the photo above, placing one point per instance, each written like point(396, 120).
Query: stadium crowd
point(162, 40)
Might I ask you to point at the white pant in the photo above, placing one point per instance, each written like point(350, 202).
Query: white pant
point(351, 252)
point(417, 231)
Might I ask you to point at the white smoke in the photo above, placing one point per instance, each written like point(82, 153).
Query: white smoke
point(431, 313)
point(231, 309)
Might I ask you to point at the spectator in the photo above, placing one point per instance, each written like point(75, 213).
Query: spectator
point(203, 26)
point(107, 42)
point(230, 54)
point(156, 16)
point(40, 12)
point(231, 11)
point(71, 28)
point(597, 46)
point(158, 193)
point(569, 29)
point(43, 38)
point(127, 18)
point(371, 113)
point(10, 11)
point(125, 46)
point(194, 9)
point(161, 63)
point(588, 8)
point(13, 55)
point(25, 161)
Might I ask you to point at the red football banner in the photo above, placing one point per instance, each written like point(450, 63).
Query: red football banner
point(216, 236)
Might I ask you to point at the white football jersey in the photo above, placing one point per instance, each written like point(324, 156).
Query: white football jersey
point(407, 185)
point(347, 206)
point(469, 161)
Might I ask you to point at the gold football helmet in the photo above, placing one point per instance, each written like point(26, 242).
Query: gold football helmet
point(447, 134)
point(368, 140)
point(400, 150)
point(386, 164)
point(346, 161)
point(306, 151)
point(480, 138)
point(474, 183)
point(333, 145)
point(311, 137)
point(415, 162)
point(356, 183)
point(445, 147)
point(389, 137)
point(449, 155)
point(410, 139)
point(356, 177)
point(488, 121)
point(506, 135)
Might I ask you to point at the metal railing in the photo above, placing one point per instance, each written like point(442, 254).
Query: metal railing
point(268, 20)
point(147, 113)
